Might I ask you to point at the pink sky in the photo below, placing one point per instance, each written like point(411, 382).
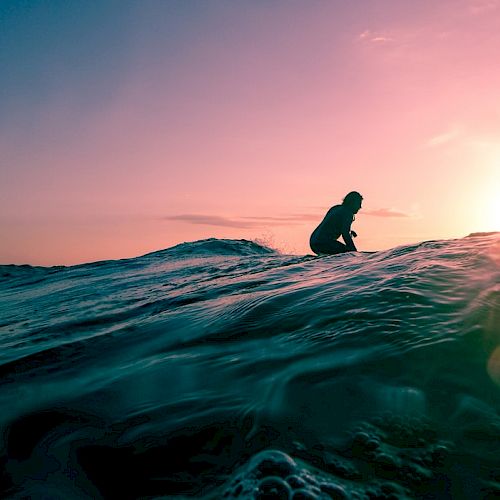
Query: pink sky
point(177, 122)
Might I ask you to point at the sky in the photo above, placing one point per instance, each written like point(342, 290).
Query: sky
point(129, 127)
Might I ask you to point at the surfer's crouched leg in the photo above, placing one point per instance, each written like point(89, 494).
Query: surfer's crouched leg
point(328, 248)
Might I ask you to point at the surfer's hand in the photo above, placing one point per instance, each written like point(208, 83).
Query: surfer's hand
point(353, 234)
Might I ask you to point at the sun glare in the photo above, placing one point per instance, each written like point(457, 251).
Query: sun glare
point(493, 203)
point(493, 219)
point(488, 208)
point(489, 196)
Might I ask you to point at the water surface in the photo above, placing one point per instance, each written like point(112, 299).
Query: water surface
point(223, 368)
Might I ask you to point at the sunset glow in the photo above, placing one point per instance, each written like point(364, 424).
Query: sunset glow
point(493, 214)
point(132, 128)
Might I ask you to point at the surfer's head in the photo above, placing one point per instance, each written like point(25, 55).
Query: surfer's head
point(353, 201)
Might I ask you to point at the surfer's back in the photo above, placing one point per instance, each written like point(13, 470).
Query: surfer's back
point(331, 225)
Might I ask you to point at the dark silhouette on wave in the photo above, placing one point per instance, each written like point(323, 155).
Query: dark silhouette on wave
point(337, 222)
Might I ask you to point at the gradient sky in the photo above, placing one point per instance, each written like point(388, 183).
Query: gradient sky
point(128, 127)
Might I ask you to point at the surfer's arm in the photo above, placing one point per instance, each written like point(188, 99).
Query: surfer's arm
point(346, 235)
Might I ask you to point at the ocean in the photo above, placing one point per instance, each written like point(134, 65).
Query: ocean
point(224, 369)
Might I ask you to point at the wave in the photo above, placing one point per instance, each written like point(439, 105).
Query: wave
point(214, 246)
point(222, 368)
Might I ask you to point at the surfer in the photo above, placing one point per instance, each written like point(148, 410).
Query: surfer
point(337, 222)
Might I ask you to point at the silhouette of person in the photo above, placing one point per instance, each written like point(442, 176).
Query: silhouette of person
point(337, 222)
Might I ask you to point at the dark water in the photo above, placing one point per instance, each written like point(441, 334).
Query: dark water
point(221, 368)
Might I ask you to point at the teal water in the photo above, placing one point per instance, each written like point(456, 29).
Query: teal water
point(221, 368)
